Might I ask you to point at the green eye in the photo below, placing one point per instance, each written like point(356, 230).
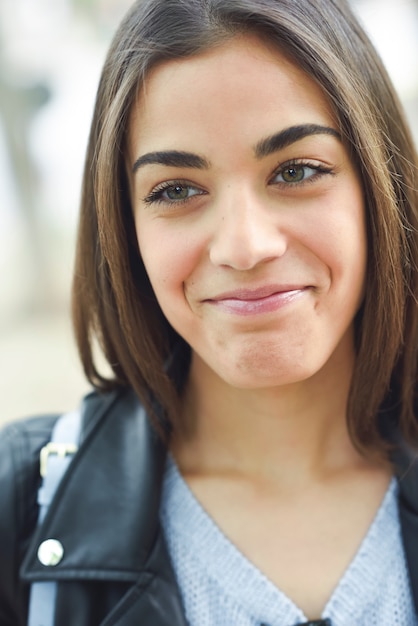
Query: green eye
point(177, 192)
point(297, 173)
point(294, 174)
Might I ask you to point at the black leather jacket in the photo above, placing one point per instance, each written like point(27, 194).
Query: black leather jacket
point(116, 569)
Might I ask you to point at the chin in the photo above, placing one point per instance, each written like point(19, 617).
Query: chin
point(265, 377)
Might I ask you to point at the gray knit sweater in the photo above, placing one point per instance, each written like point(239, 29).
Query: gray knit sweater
point(220, 587)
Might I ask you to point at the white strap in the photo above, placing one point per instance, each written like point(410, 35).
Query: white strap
point(55, 459)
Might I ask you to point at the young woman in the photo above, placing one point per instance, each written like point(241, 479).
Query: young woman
point(247, 261)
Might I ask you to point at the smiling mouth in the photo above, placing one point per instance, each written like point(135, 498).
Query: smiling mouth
point(257, 301)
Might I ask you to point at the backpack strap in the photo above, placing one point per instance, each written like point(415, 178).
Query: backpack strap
point(55, 458)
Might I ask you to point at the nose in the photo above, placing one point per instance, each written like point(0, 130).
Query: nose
point(248, 232)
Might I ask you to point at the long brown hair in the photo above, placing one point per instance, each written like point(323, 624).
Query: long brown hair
point(113, 302)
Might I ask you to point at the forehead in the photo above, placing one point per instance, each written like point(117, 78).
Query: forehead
point(242, 84)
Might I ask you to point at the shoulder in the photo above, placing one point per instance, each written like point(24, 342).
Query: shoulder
point(20, 445)
point(20, 441)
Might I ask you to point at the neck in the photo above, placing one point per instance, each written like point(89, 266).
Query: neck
point(295, 431)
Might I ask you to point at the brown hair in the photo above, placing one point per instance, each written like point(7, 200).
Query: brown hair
point(113, 301)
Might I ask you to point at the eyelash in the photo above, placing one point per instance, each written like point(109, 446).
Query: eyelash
point(156, 195)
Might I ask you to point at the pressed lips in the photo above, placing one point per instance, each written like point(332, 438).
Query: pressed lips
point(255, 301)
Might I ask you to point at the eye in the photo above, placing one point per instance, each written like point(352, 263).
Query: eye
point(178, 192)
point(298, 173)
point(172, 192)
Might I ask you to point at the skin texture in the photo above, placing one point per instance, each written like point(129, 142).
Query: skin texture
point(257, 254)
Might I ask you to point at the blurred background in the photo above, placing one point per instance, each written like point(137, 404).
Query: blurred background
point(51, 53)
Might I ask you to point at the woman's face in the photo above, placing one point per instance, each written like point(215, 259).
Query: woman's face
point(249, 213)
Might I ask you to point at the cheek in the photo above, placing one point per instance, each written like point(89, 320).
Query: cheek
point(341, 236)
point(169, 258)
point(345, 252)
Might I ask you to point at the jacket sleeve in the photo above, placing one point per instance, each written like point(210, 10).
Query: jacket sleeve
point(20, 445)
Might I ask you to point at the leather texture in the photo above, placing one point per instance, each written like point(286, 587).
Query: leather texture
point(116, 569)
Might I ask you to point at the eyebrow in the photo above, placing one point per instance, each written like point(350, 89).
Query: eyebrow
point(286, 137)
point(171, 158)
point(265, 147)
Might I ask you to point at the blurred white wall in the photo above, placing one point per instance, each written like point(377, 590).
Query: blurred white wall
point(393, 28)
point(51, 52)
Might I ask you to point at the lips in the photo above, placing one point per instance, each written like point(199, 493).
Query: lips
point(257, 301)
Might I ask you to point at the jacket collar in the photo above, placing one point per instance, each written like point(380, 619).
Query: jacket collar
point(117, 540)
